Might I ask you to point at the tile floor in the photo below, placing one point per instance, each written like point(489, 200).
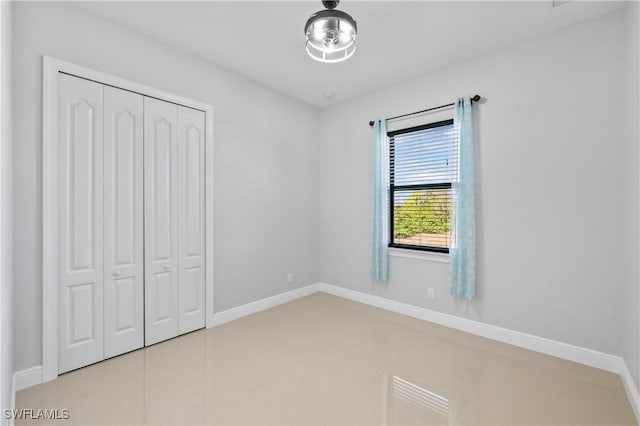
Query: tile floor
point(326, 360)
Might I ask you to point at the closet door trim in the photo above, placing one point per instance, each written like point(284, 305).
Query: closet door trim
point(50, 204)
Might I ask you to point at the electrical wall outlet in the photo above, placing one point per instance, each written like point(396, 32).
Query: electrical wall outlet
point(289, 277)
point(431, 293)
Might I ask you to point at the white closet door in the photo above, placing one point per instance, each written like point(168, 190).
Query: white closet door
point(123, 222)
point(191, 219)
point(161, 220)
point(80, 223)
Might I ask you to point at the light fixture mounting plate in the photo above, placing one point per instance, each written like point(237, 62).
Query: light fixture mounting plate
point(330, 4)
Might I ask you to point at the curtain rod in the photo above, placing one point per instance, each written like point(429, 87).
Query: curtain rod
point(475, 98)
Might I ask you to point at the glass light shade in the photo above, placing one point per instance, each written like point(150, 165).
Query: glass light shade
point(331, 36)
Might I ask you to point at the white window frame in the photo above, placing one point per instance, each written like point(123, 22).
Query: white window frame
point(423, 255)
point(50, 113)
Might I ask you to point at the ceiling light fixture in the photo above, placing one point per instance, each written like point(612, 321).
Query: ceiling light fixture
point(331, 34)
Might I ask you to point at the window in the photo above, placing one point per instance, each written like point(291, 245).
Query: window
point(423, 163)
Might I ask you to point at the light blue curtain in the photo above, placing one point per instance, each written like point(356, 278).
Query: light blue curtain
point(380, 231)
point(462, 250)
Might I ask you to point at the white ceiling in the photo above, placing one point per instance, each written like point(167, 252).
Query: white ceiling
point(397, 40)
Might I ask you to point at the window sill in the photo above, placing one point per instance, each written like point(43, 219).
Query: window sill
point(419, 255)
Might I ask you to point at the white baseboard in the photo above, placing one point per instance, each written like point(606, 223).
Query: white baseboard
point(262, 304)
point(26, 378)
point(539, 344)
point(631, 389)
point(590, 357)
point(21, 380)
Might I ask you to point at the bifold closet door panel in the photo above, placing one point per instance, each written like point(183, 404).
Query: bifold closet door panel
point(191, 218)
point(161, 220)
point(80, 156)
point(123, 222)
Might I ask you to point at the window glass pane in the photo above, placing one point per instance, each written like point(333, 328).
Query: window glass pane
point(423, 157)
point(422, 217)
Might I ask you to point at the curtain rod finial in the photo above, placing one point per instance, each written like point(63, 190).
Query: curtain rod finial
point(476, 98)
point(371, 123)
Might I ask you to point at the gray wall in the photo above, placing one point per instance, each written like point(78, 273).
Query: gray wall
point(551, 191)
point(265, 167)
point(6, 211)
point(630, 330)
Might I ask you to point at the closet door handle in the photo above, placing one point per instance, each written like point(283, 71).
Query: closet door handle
point(117, 273)
point(166, 267)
